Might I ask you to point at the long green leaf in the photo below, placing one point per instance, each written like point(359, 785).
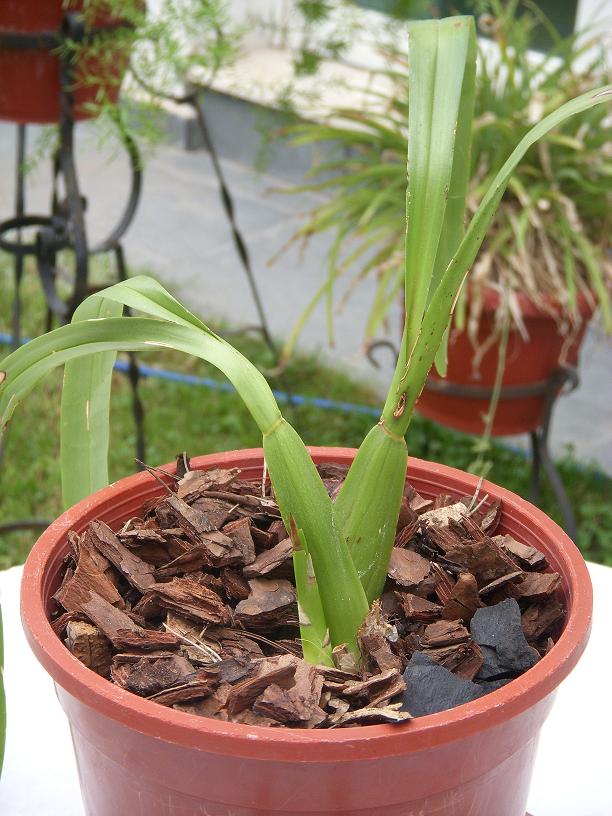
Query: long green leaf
point(298, 487)
point(442, 65)
point(411, 379)
point(442, 70)
point(84, 435)
point(367, 507)
point(2, 697)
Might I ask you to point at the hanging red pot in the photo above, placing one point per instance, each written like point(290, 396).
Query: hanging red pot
point(461, 399)
point(136, 756)
point(30, 34)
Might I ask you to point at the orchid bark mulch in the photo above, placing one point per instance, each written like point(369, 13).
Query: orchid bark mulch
point(193, 605)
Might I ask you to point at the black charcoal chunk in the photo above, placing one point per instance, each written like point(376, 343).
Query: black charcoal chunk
point(497, 630)
point(431, 688)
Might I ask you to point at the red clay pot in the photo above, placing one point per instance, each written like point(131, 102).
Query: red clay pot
point(527, 362)
point(30, 77)
point(137, 757)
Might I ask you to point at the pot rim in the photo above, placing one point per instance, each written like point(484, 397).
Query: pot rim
point(294, 744)
point(548, 307)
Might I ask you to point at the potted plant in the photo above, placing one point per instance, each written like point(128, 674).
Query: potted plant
point(135, 754)
point(32, 35)
point(543, 267)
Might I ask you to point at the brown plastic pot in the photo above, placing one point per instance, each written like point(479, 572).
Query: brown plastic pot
point(137, 757)
point(528, 362)
point(30, 77)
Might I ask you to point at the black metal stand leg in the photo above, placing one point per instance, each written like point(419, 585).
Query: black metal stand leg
point(19, 211)
point(73, 28)
point(536, 473)
point(540, 445)
point(133, 374)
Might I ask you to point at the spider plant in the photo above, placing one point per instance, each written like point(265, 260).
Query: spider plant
point(341, 548)
point(550, 236)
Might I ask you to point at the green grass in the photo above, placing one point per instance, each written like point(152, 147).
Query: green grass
point(198, 420)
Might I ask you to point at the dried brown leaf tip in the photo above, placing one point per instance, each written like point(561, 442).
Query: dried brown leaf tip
point(193, 605)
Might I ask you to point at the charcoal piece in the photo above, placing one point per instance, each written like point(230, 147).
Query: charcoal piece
point(498, 631)
point(431, 688)
point(492, 685)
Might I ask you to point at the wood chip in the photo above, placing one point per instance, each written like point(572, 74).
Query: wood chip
point(136, 571)
point(372, 716)
point(270, 559)
point(528, 557)
point(463, 659)
point(440, 516)
point(443, 586)
point(88, 644)
point(195, 483)
point(538, 619)
point(418, 609)
point(87, 578)
point(375, 636)
point(235, 585)
point(188, 598)
point(376, 689)
point(296, 704)
point(279, 671)
point(490, 518)
point(118, 627)
point(506, 581)
point(444, 633)
point(211, 706)
point(271, 603)
point(464, 599)
point(407, 568)
point(202, 685)
point(482, 558)
point(537, 586)
point(151, 674)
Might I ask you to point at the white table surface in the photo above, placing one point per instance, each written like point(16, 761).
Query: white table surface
point(572, 777)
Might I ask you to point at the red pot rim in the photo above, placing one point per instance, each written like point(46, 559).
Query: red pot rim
point(292, 744)
point(546, 308)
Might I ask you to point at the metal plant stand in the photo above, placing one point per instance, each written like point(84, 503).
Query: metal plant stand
point(64, 227)
point(563, 380)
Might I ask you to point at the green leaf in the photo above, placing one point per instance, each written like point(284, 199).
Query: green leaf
point(85, 410)
point(412, 378)
point(368, 505)
point(301, 494)
point(314, 633)
point(441, 100)
point(2, 696)
point(298, 486)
